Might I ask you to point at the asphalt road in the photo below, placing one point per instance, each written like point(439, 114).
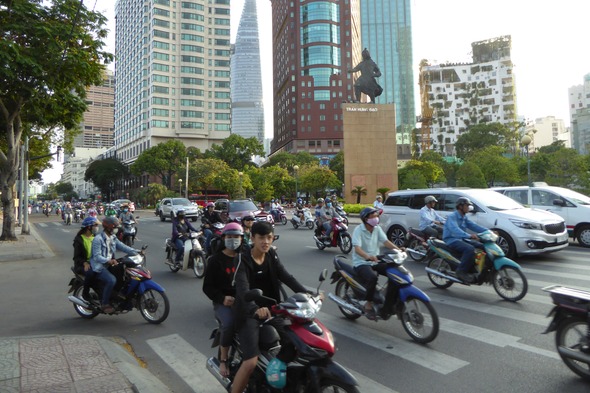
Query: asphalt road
point(485, 344)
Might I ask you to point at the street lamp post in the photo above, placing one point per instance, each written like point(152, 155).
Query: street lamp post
point(296, 169)
point(180, 186)
point(526, 141)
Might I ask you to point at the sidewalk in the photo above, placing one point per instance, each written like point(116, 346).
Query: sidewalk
point(27, 247)
point(72, 364)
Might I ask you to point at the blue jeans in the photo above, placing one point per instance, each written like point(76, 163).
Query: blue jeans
point(226, 320)
point(467, 257)
point(328, 228)
point(179, 243)
point(109, 281)
point(208, 236)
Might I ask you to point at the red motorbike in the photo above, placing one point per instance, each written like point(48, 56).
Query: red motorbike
point(339, 237)
point(310, 367)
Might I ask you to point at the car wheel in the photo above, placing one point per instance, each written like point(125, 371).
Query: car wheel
point(397, 235)
point(162, 217)
point(506, 244)
point(584, 236)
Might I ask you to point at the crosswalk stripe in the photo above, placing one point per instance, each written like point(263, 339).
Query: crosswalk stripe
point(566, 266)
point(573, 276)
point(42, 224)
point(189, 364)
point(412, 352)
point(368, 385)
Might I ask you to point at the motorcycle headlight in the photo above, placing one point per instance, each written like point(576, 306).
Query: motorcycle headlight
point(306, 310)
point(137, 259)
point(526, 224)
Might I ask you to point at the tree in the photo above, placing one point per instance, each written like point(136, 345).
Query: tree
point(411, 179)
point(104, 173)
point(155, 192)
point(480, 136)
point(163, 160)
point(337, 165)
point(358, 191)
point(317, 179)
point(49, 54)
point(430, 171)
point(289, 160)
point(470, 175)
point(567, 168)
point(64, 187)
point(236, 151)
point(383, 191)
point(494, 166)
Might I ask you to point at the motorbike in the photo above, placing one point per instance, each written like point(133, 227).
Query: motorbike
point(492, 267)
point(77, 215)
point(310, 367)
point(127, 235)
point(571, 324)
point(281, 216)
point(134, 289)
point(193, 257)
point(340, 210)
point(307, 219)
point(416, 244)
point(398, 296)
point(339, 237)
point(67, 217)
point(100, 210)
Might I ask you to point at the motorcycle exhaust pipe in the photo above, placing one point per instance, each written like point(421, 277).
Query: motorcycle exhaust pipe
point(415, 252)
point(213, 367)
point(342, 303)
point(571, 354)
point(440, 274)
point(78, 301)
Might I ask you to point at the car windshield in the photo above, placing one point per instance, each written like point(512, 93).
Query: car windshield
point(495, 201)
point(237, 206)
point(574, 196)
point(181, 202)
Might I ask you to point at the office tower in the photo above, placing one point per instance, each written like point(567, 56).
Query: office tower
point(98, 124)
point(465, 94)
point(314, 44)
point(386, 27)
point(247, 111)
point(173, 74)
point(579, 101)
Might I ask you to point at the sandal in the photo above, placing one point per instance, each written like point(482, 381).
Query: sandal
point(223, 370)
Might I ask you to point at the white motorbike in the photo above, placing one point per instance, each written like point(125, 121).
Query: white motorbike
point(193, 258)
point(308, 220)
point(68, 218)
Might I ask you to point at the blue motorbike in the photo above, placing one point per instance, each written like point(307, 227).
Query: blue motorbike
point(491, 267)
point(398, 296)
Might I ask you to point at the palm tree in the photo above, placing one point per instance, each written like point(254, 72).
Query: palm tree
point(358, 191)
point(383, 191)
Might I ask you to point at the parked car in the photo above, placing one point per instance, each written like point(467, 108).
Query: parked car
point(117, 203)
point(169, 206)
point(570, 205)
point(521, 231)
point(238, 208)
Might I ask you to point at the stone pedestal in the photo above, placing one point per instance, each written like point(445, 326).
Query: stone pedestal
point(370, 153)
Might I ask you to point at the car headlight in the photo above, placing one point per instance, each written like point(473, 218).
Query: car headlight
point(526, 224)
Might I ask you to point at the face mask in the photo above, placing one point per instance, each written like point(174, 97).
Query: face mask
point(373, 221)
point(233, 244)
point(115, 231)
point(94, 230)
point(125, 210)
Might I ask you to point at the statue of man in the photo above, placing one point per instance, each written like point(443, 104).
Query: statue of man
point(367, 83)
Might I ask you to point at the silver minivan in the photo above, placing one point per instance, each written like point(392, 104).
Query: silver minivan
point(522, 231)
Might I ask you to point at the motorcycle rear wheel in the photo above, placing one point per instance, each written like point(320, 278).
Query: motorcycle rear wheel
point(86, 313)
point(333, 386)
point(571, 334)
point(284, 220)
point(199, 266)
point(295, 225)
point(154, 306)
point(442, 266)
point(344, 291)
point(310, 224)
point(510, 283)
point(420, 320)
point(417, 245)
point(345, 243)
point(172, 259)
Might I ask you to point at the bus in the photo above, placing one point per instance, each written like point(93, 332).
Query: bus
point(202, 199)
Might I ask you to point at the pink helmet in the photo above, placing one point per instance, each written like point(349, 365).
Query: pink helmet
point(233, 228)
point(210, 204)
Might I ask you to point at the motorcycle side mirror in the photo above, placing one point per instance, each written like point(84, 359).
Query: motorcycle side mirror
point(144, 247)
point(276, 237)
point(323, 275)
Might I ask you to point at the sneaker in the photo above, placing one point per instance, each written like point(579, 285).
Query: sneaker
point(464, 276)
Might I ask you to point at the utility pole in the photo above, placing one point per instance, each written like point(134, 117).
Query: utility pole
point(25, 230)
point(186, 182)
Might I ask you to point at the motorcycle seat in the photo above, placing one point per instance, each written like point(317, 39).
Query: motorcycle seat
point(418, 233)
point(343, 264)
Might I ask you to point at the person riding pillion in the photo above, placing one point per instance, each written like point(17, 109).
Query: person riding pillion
point(430, 221)
point(324, 220)
point(454, 235)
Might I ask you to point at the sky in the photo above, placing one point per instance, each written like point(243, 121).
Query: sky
point(549, 45)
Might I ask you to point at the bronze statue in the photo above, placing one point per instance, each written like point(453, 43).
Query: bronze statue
point(367, 83)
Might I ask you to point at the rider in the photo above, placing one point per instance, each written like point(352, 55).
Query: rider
point(331, 212)
point(110, 211)
point(366, 241)
point(454, 234)
point(83, 251)
point(104, 246)
point(218, 287)
point(68, 210)
point(126, 215)
point(378, 204)
point(430, 221)
point(321, 215)
point(247, 222)
point(259, 268)
point(180, 229)
point(210, 217)
point(299, 209)
point(275, 207)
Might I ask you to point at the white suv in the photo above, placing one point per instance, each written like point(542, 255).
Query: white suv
point(521, 231)
point(570, 205)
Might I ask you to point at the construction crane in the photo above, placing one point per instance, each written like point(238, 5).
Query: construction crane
point(426, 111)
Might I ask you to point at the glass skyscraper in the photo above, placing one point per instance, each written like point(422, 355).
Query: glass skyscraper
point(247, 114)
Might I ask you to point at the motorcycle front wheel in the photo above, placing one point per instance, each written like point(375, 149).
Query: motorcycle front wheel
point(333, 386)
point(199, 266)
point(442, 266)
point(310, 224)
point(345, 243)
point(420, 320)
point(87, 313)
point(510, 283)
point(344, 291)
point(172, 259)
point(295, 225)
point(571, 334)
point(154, 306)
point(284, 220)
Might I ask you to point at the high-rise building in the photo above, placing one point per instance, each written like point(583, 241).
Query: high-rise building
point(247, 111)
point(98, 123)
point(386, 27)
point(315, 43)
point(464, 94)
point(579, 101)
point(547, 130)
point(173, 74)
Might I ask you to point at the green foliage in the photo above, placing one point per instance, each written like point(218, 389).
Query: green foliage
point(470, 175)
point(432, 156)
point(383, 191)
point(411, 179)
point(63, 187)
point(236, 151)
point(316, 180)
point(155, 192)
point(358, 191)
point(354, 208)
point(431, 173)
point(288, 160)
point(164, 160)
point(103, 172)
point(567, 168)
point(481, 136)
point(337, 165)
point(494, 166)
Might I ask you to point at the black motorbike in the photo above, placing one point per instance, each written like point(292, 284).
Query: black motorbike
point(571, 324)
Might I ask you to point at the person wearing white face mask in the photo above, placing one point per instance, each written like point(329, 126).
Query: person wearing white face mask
point(367, 238)
point(218, 287)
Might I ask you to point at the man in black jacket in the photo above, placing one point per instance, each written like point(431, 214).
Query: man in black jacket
point(259, 268)
point(210, 217)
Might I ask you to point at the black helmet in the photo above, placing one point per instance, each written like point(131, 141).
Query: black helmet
point(463, 201)
point(367, 211)
point(180, 213)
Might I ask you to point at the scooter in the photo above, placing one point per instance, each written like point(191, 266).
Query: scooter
point(417, 246)
point(571, 324)
point(281, 216)
point(339, 237)
point(128, 233)
point(67, 218)
point(398, 296)
point(193, 257)
point(340, 210)
point(309, 349)
point(307, 219)
point(77, 215)
point(134, 289)
point(492, 267)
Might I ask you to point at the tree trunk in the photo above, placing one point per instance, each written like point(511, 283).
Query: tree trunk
point(8, 224)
